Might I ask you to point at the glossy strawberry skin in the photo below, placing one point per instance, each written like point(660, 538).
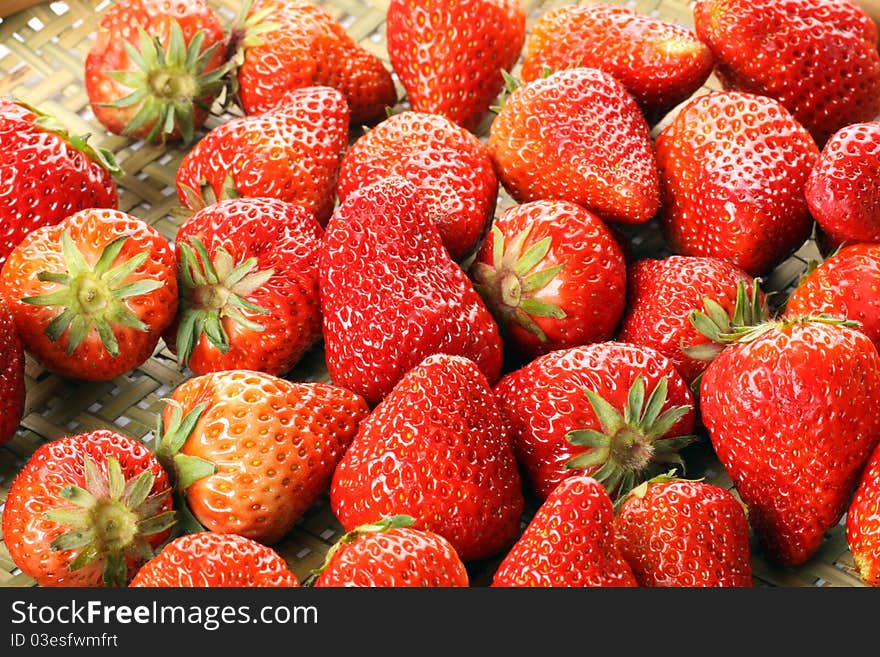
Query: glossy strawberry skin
point(733, 168)
point(831, 76)
point(863, 523)
point(444, 159)
point(292, 152)
point(398, 557)
point(659, 62)
point(274, 444)
point(454, 69)
point(569, 542)
point(791, 418)
point(685, 534)
point(308, 47)
point(390, 294)
point(591, 146)
point(435, 449)
point(12, 381)
point(209, 560)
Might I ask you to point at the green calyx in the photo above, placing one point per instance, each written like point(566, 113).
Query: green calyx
point(749, 315)
point(214, 290)
point(509, 286)
point(631, 446)
point(92, 297)
point(246, 32)
point(111, 519)
point(196, 199)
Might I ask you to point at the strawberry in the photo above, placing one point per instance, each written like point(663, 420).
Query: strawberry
point(92, 294)
point(290, 44)
point(578, 136)
point(569, 542)
point(435, 449)
point(292, 152)
point(454, 68)
point(659, 62)
point(444, 159)
point(87, 510)
point(154, 69)
point(390, 294)
point(391, 553)
point(846, 284)
point(250, 452)
point(790, 411)
point(732, 172)
point(248, 286)
point(842, 190)
point(208, 559)
point(49, 174)
point(553, 276)
point(663, 294)
point(863, 523)
point(682, 533)
point(12, 384)
point(817, 57)
point(614, 411)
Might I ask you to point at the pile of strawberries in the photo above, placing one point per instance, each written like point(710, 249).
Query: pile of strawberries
point(475, 361)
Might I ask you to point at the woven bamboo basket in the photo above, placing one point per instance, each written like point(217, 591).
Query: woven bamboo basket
point(42, 49)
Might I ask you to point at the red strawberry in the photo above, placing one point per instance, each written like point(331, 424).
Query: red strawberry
point(846, 285)
point(155, 68)
point(291, 153)
point(444, 159)
point(92, 294)
point(454, 66)
point(435, 449)
point(248, 286)
point(87, 510)
point(817, 57)
point(863, 523)
point(843, 190)
point(569, 542)
point(208, 559)
point(659, 62)
point(12, 384)
point(250, 452)
point(732, 172)
point(577, 135)
point(390, 294)
point(685, 534)
point(391, 553)
point(48, 174)
point(553, 276)
point(289, 44)
point(791, 413)
point(614, 411)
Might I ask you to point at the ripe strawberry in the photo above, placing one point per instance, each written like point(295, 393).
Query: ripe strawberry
point(569, 542)
point(732, 172)
point(577, 135)
point(208, 559)
point(435, 449)
point(87, 510)
point(663, 294)
point(846, 284)
point(553, 276)
point(92, 294)
point(614, 411)
point(290, 44)
point(682, 533)
point(48, 174)
point(659, 62)
point(248, 287)
point(863, 523)
point(12, 384)
point(292, 153)
point(817, 57)
point(390, 294)
point(842, 190)
point(391, 553)
point(155, 68)
point(454, 66)
point(250, 452)
point(444, 159)
point(791, 413)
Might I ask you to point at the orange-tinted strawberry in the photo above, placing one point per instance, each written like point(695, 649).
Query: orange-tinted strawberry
point(863, 523)
point(12, 384)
